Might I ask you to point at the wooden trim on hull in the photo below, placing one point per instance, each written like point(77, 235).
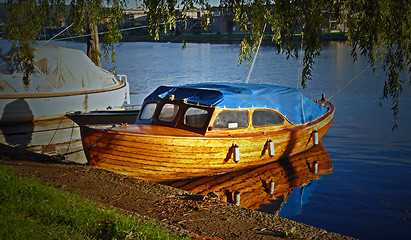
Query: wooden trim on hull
point(166, 157)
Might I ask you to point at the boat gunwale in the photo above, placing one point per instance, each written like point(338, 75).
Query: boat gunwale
point(121, 85)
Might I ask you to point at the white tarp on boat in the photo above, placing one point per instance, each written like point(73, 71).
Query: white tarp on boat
point(59, 69)
point(64, 67)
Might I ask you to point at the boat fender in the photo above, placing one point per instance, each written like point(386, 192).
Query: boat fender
point(272, 186)
point(271, 149)
point(236, 153)
point(316, 140)
point(315, 167)
point(237, 198)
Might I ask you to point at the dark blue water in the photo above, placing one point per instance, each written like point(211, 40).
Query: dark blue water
point(368, 194)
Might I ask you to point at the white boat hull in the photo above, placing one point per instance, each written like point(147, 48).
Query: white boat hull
point(36, 122)
point(19, 108)
point(50, 137)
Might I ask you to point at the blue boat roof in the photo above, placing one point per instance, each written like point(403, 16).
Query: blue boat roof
point(290, 102)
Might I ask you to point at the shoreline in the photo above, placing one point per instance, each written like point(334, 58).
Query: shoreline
point(223, 38)
point(175, 209)
point(213, 38)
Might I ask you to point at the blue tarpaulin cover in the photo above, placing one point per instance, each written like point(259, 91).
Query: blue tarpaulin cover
point(291, 103)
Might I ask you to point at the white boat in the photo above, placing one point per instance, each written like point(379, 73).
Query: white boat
point(64, 80)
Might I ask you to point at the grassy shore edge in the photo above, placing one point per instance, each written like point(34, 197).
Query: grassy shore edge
point(30, 209)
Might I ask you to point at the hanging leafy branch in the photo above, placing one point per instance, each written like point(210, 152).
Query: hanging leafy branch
point(115, 16)
point(381, 30)
point(161, 14)
point(378, 29)
point(88, 15)
point(285, 19)
point(26, 19)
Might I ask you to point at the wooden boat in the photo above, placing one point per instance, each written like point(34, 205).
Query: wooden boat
point(268, 184)
point(64, 80)
point(205, 129)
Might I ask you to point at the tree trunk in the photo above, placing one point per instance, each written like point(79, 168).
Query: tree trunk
point(93, 45)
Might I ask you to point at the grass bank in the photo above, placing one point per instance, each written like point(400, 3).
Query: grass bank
point(32, 210)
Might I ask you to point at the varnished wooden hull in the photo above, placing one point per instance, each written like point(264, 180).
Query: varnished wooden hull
point(158, 153)
point(254, 185)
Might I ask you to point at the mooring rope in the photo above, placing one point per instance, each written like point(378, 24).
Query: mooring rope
point(349, 82)
point(181, 35)
point(301, 54)
point(302, 106)
point(51, 39)
point(62, 156)
point(101, 33)
point(255, 56)
point(71, 137)
point(54, 134)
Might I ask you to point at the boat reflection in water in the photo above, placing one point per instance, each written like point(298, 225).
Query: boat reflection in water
point(265, 188)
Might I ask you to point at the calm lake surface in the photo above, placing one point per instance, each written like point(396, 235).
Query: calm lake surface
point(368, 193)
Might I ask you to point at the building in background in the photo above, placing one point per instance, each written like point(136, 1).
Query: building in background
point(217, 21)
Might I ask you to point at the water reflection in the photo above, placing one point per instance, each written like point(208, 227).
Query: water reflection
point(265, 188)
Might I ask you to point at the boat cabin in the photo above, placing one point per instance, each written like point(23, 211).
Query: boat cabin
point(203, 119)
point(222, 108)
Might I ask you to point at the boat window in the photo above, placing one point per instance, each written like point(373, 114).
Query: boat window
point(168, 112)
point(148, 111)
point(231, 119)
point(195, 117)
point(266, 118)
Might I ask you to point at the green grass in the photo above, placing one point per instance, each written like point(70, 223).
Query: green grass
point(32, 210)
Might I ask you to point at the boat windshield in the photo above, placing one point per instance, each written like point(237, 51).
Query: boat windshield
point(263, 118)
point(148, 111)
point(195, 117)
point(168, 112)
point(231, 119)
